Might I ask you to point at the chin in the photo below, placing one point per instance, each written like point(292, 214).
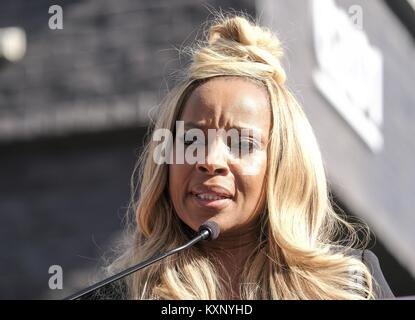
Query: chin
point(196, 222)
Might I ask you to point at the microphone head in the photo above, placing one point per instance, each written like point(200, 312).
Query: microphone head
point(212, 227)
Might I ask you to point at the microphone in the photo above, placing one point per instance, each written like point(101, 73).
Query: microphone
point(207, 231)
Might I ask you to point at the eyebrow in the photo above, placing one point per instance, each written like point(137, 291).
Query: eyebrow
point(239, 128)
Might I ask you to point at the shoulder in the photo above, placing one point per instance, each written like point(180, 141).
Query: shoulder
point(380, 285)
point(112, 291)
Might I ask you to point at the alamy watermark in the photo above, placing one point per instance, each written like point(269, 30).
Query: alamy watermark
point(56, 18)
point(56, 280)
point(235, 146)
point(356, 16)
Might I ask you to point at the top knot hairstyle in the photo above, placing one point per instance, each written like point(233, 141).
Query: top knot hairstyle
point(238, 47)
point(297, 255)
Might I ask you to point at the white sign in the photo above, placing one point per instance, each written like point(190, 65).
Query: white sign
point(350, 70)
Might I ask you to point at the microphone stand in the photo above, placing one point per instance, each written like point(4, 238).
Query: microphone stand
point(204, 233)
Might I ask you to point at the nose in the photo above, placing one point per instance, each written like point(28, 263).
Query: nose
point(215, 162)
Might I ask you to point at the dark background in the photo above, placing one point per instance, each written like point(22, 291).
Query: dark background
point(64, 184)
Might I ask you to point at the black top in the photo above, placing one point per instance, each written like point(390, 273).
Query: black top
point(380, 286)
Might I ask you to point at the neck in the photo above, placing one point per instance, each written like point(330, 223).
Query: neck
point(233, 242)
point(232, 249)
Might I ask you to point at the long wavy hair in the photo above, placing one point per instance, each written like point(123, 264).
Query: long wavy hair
point(304, 247)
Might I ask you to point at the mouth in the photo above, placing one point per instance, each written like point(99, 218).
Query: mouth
point(211, 200)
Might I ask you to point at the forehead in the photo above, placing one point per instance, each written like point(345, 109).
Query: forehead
point(227, 102)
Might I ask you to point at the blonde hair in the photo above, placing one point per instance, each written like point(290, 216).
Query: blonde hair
point(297, 255)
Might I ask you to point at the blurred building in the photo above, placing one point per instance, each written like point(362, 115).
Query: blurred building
point(74, 110)
point(351, 63)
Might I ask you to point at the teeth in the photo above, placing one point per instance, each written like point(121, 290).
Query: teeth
point(207, 196)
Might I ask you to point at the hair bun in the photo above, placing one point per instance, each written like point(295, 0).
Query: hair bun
point(261, 44)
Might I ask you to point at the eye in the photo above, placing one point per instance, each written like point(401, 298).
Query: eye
point(188, 140)
point(188, 143)
point(245, 146)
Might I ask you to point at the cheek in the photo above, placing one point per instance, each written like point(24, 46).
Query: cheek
point(174, 176)
point(252, 168)
point(252, 174)
point(251, 189)
point(178, 176)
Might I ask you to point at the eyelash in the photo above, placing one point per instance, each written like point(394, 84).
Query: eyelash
point(188, 143)
point(253, 145)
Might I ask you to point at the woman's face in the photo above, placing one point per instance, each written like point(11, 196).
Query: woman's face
point(223, 185)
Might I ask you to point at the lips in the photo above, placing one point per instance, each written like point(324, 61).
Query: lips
point(211, 192)
point(211, 197)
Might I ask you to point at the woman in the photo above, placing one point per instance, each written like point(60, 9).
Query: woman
point(279, 234)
